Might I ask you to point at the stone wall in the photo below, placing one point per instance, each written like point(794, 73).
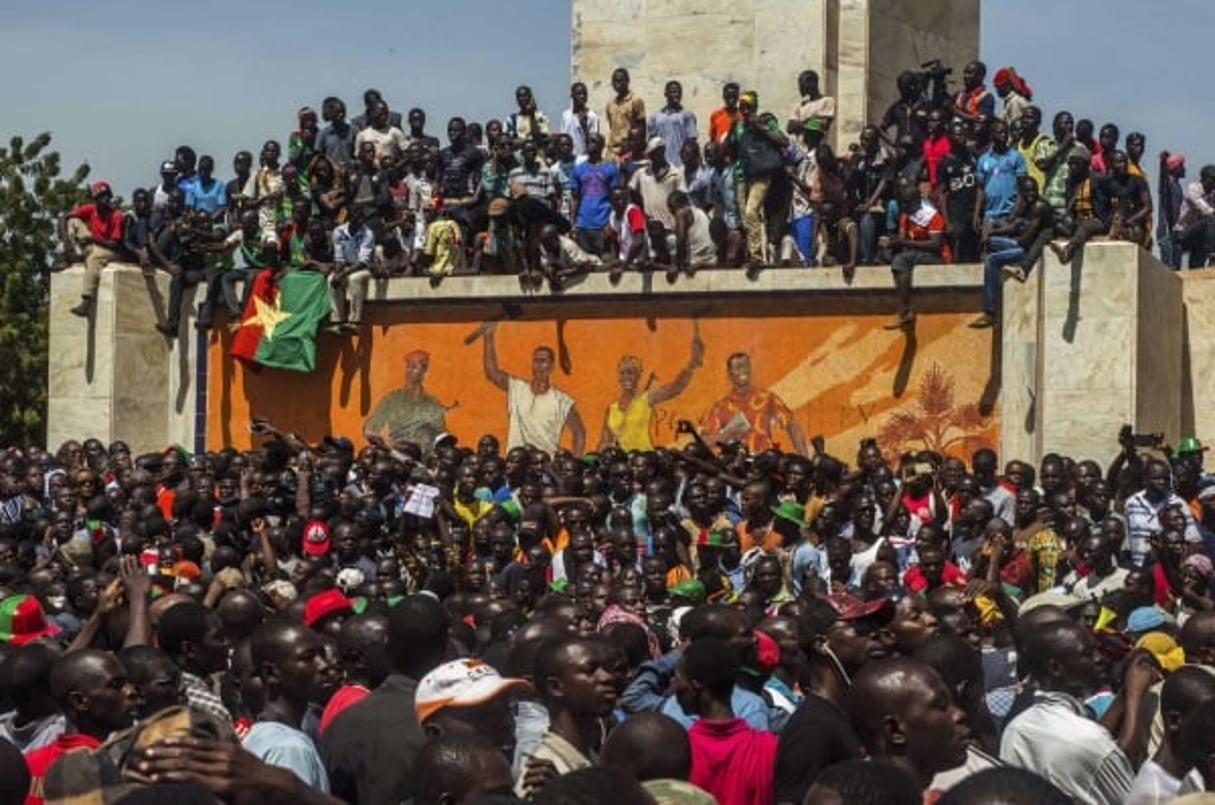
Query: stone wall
point(1092, 345)
point(114, 376)
point(857, 46)
point(1115, 338)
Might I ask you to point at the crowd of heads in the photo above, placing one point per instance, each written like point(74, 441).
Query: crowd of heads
point(944, 176)
point(451, 623)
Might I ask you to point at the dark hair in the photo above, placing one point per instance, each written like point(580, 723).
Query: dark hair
point(871, 782)
point(141, 662)
point(629, 638)
point(448, 764)
point(594, 786)
point(1005, 785)
point(705, 621)
point(14, 772)
point(649, 746)
point(952, 657)
point(417, 635)
point(182, 623)
point(711, 663)
point(26, 671)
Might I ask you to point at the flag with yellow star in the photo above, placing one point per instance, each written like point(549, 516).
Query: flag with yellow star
point(279, 326)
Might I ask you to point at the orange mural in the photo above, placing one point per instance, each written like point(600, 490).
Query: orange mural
point(764, 372)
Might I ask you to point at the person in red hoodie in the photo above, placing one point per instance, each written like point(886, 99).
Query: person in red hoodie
point(91, 687)
point(731, 760)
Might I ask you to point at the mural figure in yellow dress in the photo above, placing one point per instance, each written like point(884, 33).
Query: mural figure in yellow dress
point(628, 419)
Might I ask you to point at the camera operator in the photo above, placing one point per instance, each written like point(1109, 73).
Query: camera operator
point(919, 93)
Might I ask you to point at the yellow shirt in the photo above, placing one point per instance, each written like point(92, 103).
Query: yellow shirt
point(1027, 152)
point(443, 245)
point(472, 512)
point(631, 427)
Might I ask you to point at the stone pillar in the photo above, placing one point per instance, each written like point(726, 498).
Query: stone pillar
point(857, 47)
point(1109, 333)
point(114, 376)
point(1021, 370)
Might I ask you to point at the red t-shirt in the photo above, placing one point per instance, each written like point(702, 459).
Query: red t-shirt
point(922, 224)
point(41, 759)
point(934, 152)
point(101, 227)
point(346, 695)
point(914, 579)
point(733, 761)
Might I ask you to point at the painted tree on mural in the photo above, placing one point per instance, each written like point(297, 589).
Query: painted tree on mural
point(934, 422)
point(32, 196)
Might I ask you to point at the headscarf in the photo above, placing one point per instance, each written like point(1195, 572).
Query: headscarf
point(1201, 563)
point(616, 614)
point(751, 97)
point(1007, 76)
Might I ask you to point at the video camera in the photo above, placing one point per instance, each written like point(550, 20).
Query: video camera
point(934, 78)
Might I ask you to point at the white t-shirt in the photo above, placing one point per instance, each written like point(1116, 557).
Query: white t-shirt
point(536, 420)
point(702, 251)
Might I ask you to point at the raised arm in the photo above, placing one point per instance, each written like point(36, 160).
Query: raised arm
point(681, 381)
point(490, 359)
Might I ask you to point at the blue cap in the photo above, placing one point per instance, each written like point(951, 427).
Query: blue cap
point(1145, 619)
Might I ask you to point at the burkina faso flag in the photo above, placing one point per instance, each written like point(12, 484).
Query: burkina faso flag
point(280, 321)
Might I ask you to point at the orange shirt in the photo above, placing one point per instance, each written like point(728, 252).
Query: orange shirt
point(922, 224)
point(720, 123)
point(765, 537)
point(762, 411)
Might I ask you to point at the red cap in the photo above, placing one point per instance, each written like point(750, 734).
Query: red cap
point(23, 621)
point(767, 652)
point(851, 608)
point(324, 604)
point(316, 538)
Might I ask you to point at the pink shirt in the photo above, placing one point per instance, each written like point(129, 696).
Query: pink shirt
point(733, 761)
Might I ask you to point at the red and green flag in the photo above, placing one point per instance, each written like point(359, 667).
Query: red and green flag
point(279, 326)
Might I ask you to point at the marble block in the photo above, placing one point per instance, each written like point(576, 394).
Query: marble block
point(1112, 330)
point(109, 376)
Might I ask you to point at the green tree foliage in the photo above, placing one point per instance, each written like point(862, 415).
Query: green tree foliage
point(32, 196)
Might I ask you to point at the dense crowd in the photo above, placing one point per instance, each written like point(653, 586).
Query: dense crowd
point(438, 623)
point(942, 177)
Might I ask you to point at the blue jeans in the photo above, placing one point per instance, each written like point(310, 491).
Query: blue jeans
point(1001, 251)
point(802, 231)
point(872, 225)
point(1170, 251)
point(591, 240)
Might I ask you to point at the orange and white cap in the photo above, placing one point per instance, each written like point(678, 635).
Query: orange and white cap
point(461, 683)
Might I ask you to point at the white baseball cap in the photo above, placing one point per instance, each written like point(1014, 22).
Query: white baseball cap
point(461, 683)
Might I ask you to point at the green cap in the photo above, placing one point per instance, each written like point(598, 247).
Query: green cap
point(792, 511)
point(1190, 445)
point(692, 589)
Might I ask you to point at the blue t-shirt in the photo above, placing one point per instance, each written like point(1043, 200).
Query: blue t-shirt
point(206, 199)
point(998, 174)
point(593, 182)
point(748, 706)
point(287, 748)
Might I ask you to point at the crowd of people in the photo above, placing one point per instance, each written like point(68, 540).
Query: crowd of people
point(942, 177)
point(441, 623)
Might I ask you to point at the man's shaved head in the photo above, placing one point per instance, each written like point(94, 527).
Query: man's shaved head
point(649, 746)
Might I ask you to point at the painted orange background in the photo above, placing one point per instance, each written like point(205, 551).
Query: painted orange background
point(844, 375)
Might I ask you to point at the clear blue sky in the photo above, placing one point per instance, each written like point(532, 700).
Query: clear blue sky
point(122, 83)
